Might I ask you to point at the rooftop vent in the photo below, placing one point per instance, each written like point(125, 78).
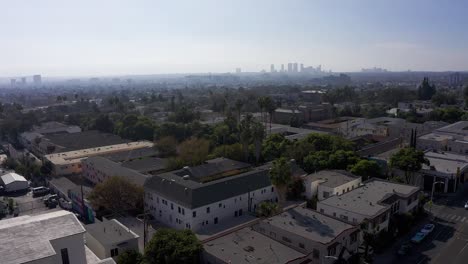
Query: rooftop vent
point(186, 177)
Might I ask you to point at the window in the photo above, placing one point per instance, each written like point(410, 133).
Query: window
point(194, 214)
point(220, 204)
point(344, 217)
point(272, 189)
point(235, 214)
point(208, 210)
point(114, 252)
point(301, 245)
point(334, 214)
point(332, 251)
point(353, 237)
point(172, 206)
point(216, 220)
point(315, 254)
point(183, 211)
point(64, 253)
point(286, 239)
point(178, 208)
point(240, 212)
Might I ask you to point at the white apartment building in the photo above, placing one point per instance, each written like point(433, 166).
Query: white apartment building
point(208, 194)
point(373, 202)
point(451, 138)
point(109, 238)
point(326, 183)
point(50, 238)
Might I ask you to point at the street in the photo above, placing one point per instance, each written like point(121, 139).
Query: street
point(447, 244)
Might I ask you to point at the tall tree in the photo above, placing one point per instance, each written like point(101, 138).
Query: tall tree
point(270, 107)
point(130, 257)
point(408, 160)
point(246, 134)
point(117, 194)
point(239, 105)
point(166, 146)
point(194, 151)
point(426, 90)
point(366, 169)
point(281, 177)
point(169, 246)
point(258, 134)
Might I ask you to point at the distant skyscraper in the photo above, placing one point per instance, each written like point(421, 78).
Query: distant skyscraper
point(23, 80)
point(302, 67)
point(290, 67)
point(282, 67)
point(295, 67)
point(238, 70)
point(13, 82)
point(272, 68)
point(37, 79)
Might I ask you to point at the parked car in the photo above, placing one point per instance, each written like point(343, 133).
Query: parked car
point(49, 197)
point(418, 237)
point(428, 228)
point(40, 191)
point(65, 204)
point(404, 248)
point(52, 203)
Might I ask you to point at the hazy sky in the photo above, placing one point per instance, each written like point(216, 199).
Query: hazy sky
point(95, 37)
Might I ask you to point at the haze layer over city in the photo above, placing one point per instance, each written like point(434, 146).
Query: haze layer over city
point(216, 132)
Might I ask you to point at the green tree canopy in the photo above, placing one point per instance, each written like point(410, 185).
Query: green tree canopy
point(408, 160)
point(117, 194)
point(280, 176)
point(426, 90)
point(166, 146)
point(366, 169)
point(130, 257)
point(275, 146)
point(169, 246)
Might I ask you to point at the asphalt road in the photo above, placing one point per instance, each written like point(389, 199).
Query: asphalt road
point(447, 244)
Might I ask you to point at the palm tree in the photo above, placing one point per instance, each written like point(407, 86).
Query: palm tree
point(270, 107)
point(261, 104)
point(258, 134)
point(239, 105)
point(222, 131)
point(280, 176)
point(246, 134)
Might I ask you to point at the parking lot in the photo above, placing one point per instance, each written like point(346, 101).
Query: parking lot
point(27, 204)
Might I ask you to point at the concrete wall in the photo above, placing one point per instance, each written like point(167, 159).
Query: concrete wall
point(75, 246)
point(98, 249)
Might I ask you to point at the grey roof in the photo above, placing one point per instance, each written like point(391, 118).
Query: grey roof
point(332, 178)
point(386, 121)
point(62, 184)
point(84, 140)
point(235, 179)
point(110, 232)
point(248, 246)
point(445, 162)
point(131, 154)
point(115, 169)
point(146, 164)
point(368, 200)
point(309, 224)
point(460, 128)
point(27, 238)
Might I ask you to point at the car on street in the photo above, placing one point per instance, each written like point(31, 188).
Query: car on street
point(418, 237)
point(40, 191)
point(428, 228)
point(64, 204)
point(404, 249)
point(49, 197)
point(466, 205)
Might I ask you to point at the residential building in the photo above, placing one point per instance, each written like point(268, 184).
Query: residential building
point(247, 246)
point(311, 233)
point(374, 203)
point(51, 238)
point(109, 238)
point(451, 138)
point(326, 183)
point(70, 162)
point(98, 169)
point(208, 194)
point(13, 182)
point(446, 168)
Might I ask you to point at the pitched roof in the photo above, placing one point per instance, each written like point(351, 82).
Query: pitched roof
point(12, 177)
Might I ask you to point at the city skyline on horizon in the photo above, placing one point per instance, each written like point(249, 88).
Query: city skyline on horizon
point(53, 38)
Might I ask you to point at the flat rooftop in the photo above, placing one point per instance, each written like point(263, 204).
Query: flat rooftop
point(332, 178)
point(110, 232)
point(445, 162)
point(459, 128)
point(309, 224)
point(367, 199)
point(436, 137)
point(146, 164)
point(248, 246)
point(27, 238)
point(75, 156)
point(83, 140)
point(111, 168)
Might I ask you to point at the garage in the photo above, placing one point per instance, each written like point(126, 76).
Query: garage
point(13, 182)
